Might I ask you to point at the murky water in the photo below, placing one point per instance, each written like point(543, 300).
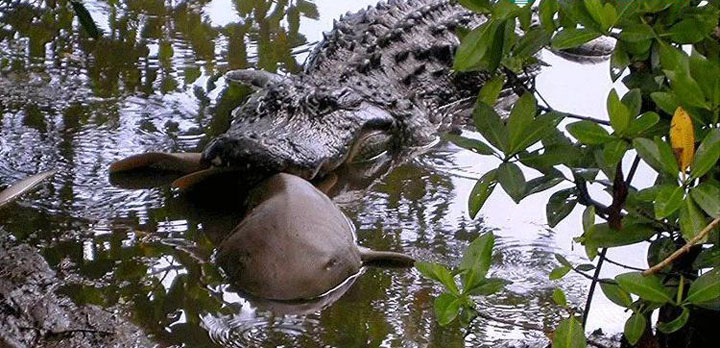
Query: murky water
point(155, 83)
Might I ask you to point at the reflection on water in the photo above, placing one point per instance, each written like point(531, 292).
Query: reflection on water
point(154, 82)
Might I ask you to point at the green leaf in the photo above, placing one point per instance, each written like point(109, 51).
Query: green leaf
point(659, 250)
point(540, 127)
point(512, 180)
point(705, 72)
point(505, 9)
point(616, 294)
point(559, 298)
point(619, 61)
point(585, 267)
point(614, 151)
point(649, 288)
point(672, 58)
point(707, 154)
point(447, 307)
point(708, 258)
point(633, 101)
point(533, 40)
point(686, 31)
point(559, 272)
point(491, 126)
point(648, 151)
point(669, 199)
point(675, 324)
point(603, 236)
point(667, 158)
point(692, 221)
point(474, 46)
point(481, 191)
point(543, 183)
point(705, 288)
point(438, 273)
point(569, 334)
point(642, 123)
point(572, 37)
point(605, 15)
point(495, 42)
point(547, 10)
point(479, 6)
point(588, 132)
point(491, 90)
point(551, 155)
point(474, 145)
point(478, 255)
point(634, 328)
point(636, 32)
point(707, 196)
point(650, 193)
point(652, 6)
point(563, 261)
point(560, 204)
point(521, 117)
point(619, 113)
point(578, 13)
point(85, 19)
point(686, 89)
point(588, 219)
point(487, 287)
point(665, 101)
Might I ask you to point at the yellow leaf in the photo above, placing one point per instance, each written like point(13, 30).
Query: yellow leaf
point(682, 138)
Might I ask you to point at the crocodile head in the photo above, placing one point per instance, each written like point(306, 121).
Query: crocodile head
point(291, 126)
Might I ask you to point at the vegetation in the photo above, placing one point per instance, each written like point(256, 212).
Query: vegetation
point(667, 54)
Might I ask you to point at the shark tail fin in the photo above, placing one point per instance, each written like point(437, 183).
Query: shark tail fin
point(385, 258)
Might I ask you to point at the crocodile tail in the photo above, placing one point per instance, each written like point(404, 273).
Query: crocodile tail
point(385, 258)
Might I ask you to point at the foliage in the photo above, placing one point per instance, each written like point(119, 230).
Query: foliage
point(455, 302)
point(669, 120)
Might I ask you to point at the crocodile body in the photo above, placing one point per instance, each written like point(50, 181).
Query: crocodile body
point(379, 80)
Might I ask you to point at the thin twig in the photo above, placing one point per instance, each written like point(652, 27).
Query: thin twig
point(633, 169)
point(685, 248)
point(585, 199)
point(623, 265)
point(594, 278)
point(593, 285)
point(575, 116)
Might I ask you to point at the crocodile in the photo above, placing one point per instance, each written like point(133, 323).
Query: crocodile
point(380, 80)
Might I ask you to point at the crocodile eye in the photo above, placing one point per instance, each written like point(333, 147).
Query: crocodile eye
point(369, 146)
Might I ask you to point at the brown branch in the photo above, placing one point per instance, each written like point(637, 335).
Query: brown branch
point(685, 248)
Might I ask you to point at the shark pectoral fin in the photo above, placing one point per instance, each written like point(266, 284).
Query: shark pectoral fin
point(177, 162)
point(371, 257)
point(253, 78)
point(188, 181)
point(23, 186)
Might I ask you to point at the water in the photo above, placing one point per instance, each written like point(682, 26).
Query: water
point(155, 83)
